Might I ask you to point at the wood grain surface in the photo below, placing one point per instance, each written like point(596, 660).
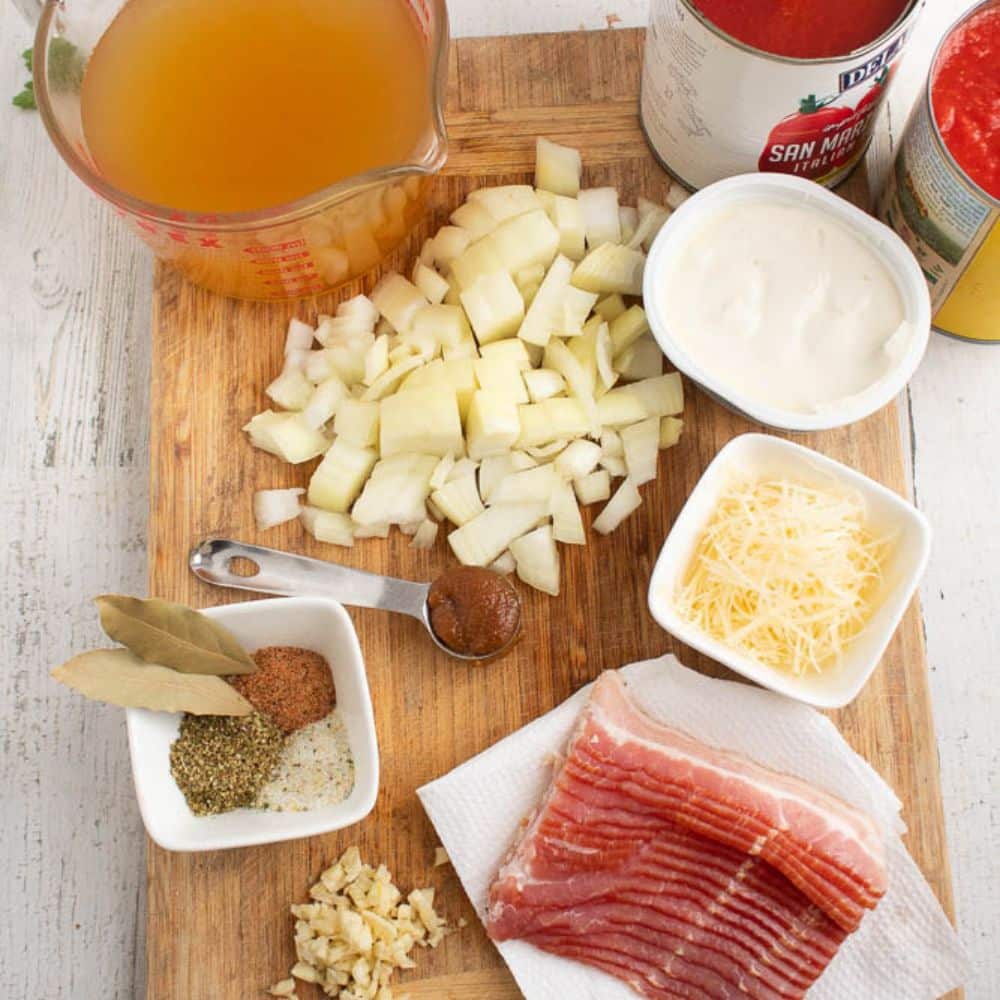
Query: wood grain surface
point(218, 924)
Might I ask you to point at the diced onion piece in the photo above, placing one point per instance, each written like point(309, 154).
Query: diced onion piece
point(327, 526)
point(567, 217)
point(627, 328)
point(291, 390)
point(396, 491)
point(537, 559)
point(410, 528)
point(640, 360)
point(474, 219)
point(602, 354)
point(503, 377)
point(651, 219)
point(584, 349)
point(529, 276)
point(423, 421)
point(511, 350)
point(338, 479)
point(559, 358)
point(286, 435)
point(547, 451)
point(431, 285)
point(441, 471)
point(274, 507)
point(504, 563)
point(465, 349)
point(525, 241)
point(623, 503)
point(594, 487)
point(494, 468)
point(296, 360)
point(494, 307)
point(425, 536)
point(576, 308)
point(670, 431)
point(463, 467)
point(611, 268)
point(527, 486)
point(398, 300)
point(376, 359)
point(479, 259)
point(557, 168)
point(506, 202)
point(579, 459)
point(551, 420)
point(641, 442)
point(542, 383)
point(459, 500)
point(299, 336)
point(610, 307)
point(348, 360)
point(546, 313)
point(362, 307)
point(342, 329)
point(481, 540)
point(662, 396)
point(324, 402)
point(389, 380)
point(318, 366)
point(493, 424)
point(567, 524)
point(356, 423)
point(611, 444)
point(677, 195)
point(615, 467)
point(600, 217)
point(628, 218)
point(448, 324)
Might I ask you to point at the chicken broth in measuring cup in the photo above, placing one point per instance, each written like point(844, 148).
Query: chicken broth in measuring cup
point(269, 150)
point(227, 106)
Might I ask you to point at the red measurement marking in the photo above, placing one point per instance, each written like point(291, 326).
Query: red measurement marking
point(306, 265)
point(210, 243)
point(146, 226)
point(289, 245)
point(177, 236)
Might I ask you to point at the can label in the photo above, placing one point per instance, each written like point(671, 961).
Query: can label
point(712, 108)
point(952, 229)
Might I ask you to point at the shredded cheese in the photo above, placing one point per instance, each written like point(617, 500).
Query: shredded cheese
point(786, 573)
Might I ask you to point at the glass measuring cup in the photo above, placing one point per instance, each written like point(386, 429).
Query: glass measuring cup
point(297, 249)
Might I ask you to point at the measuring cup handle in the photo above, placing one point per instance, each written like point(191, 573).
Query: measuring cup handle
point(298, 576)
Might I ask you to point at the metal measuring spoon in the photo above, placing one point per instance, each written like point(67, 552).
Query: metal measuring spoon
point(298, 576)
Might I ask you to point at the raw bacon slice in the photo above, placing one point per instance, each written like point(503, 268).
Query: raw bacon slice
point(683, 870)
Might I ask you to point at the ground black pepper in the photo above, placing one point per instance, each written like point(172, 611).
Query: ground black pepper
point(222, 762)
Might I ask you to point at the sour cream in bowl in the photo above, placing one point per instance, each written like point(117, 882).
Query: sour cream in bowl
point(786, 302)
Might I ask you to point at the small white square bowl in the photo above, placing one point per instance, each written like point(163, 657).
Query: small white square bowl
point(314, 623)
point(762, 456)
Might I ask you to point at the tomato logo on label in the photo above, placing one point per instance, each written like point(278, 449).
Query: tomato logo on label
point(821, 138)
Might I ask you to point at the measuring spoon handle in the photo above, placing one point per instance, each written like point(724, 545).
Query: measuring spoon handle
point(298, 576)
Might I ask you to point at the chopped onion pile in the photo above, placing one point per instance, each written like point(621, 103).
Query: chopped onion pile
point(504, 385)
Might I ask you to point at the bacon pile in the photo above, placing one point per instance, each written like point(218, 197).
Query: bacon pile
point(684, 870)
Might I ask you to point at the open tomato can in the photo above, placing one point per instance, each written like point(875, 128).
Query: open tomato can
point(943, 193)
point(713, 106)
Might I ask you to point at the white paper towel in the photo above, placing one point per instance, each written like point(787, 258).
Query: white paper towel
point(904, 950)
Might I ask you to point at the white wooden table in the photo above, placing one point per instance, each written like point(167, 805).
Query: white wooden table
point(74, 327)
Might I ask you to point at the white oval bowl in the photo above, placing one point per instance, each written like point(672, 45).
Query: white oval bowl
point(674, 237)
point(764, 456)
point(315, 623)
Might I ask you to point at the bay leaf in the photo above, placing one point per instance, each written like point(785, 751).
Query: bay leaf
point(173, 635)
point(118, 677)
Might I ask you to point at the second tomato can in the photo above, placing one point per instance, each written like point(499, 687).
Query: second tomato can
point(712, 106)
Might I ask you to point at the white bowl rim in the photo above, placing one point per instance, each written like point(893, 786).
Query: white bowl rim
point(744, 665)
point(304, 828)
point(887, 244)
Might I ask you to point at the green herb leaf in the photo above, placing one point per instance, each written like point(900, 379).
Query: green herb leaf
point(173, 635)
point(65, 65)
point(117, 677)
point(26, 99)
point(26, 56)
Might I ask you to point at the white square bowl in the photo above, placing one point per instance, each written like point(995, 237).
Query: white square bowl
point(759, 456)
point(309, 622)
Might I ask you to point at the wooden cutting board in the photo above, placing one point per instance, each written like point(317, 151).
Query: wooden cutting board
point(218, 923)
